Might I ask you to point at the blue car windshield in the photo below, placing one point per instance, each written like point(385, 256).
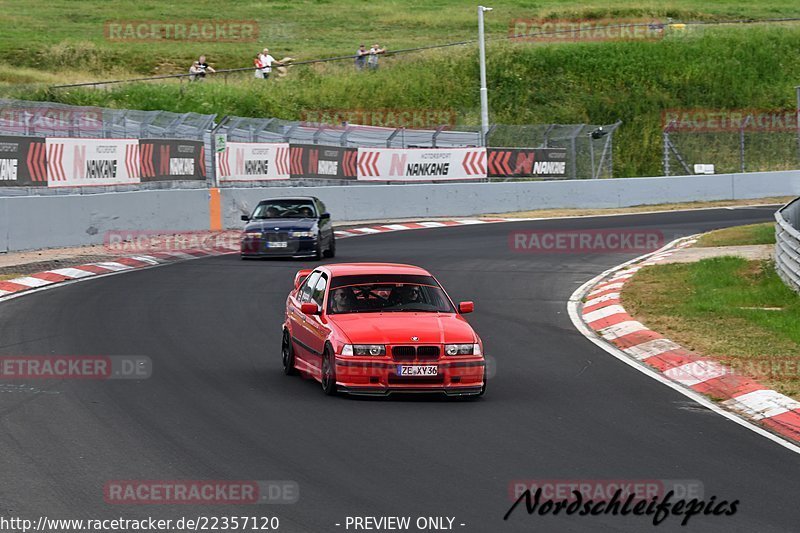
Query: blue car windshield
point(285, 209)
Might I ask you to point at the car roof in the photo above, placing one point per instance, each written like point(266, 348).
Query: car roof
point(355, 269)
point(289, 198)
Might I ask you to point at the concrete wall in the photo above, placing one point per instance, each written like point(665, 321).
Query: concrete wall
point(32, 222)
point(369, 202)
point(5, 227)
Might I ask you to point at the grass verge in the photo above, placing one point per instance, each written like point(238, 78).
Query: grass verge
point(739, 236)
point(736, 311)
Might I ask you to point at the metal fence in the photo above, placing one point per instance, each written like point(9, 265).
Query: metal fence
point(787, 244)
point(49, 119)
point(589, 147)
point(753, 141)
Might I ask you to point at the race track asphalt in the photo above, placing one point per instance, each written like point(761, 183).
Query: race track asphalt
point(217, 406)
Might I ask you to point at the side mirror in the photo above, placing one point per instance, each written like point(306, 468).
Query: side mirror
point(300, 277)
point(325, 216)
point(466, 307)
point(309, 308)
point(246, 218)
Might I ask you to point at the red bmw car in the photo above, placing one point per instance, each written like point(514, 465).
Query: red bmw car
point(377, 328)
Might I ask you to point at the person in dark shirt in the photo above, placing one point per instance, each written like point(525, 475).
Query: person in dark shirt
point(204, 67)
point(361, 57)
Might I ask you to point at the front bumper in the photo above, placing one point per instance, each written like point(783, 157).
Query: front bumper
point(457, 376)
point(297, 247)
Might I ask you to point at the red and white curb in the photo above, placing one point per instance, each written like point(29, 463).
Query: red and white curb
point(387, 228)
point(40, 280)
point(603, 319)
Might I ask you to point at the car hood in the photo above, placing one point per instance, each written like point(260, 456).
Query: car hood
point(274, 224)
point(399, 327)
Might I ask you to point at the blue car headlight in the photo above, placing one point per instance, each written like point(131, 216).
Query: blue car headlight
point(302, 234)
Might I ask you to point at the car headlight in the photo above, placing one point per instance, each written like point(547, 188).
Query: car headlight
point(364, 349)
point(252, 235)
point(462, 349)
point(302, 234)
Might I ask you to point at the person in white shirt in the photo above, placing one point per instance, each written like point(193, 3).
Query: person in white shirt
point(266, 62)
point(372, 60)
point(195, 71)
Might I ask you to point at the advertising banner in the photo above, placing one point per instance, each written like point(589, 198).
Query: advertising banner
point(88, 162)
point(421, 164)
point(318, 161)
point(23, 162)
point(527, 162)
point(253, 162)
point(172, 159)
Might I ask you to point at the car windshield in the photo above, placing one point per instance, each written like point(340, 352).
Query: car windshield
point(285, 209)
point(388, 297)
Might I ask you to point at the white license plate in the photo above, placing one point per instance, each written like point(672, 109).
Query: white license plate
point(278, 244)
point(423, 370)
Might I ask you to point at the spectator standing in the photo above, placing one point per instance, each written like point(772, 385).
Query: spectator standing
point(361, 57)
point(259, 72)
point(372, 61)
point(267, 61)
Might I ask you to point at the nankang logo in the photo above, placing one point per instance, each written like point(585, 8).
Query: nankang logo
point(181, 166)
point(8, 169)
point(101, 169)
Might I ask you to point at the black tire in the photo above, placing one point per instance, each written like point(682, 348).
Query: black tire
point(287, 354)
point(328, 378)
point(483, 388)
point(331, 251)
point(318, 251)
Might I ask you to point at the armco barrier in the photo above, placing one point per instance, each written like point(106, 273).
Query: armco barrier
point(29, 222)
point(787, 244)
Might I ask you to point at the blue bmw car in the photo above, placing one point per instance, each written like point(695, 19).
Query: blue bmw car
point(289, 227)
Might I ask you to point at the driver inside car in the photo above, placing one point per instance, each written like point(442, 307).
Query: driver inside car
point(343, 300)
point(407, 294)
